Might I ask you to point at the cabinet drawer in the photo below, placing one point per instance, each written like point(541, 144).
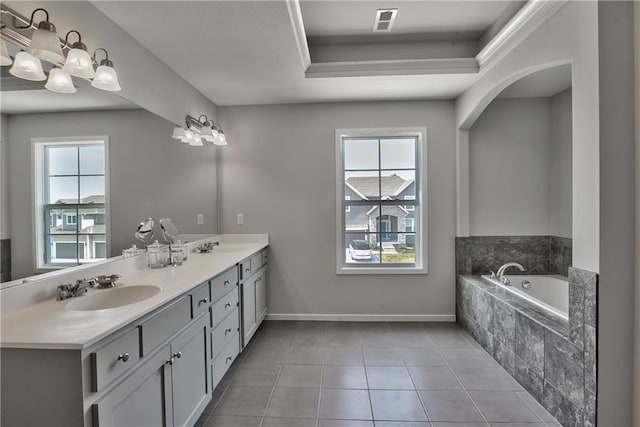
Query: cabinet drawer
point(223, 307)
point(160, 327)
point(223, 333)
point(256, 262)
point(114, 358)
point(224, 283)
point(226, 357)
point(200, 300)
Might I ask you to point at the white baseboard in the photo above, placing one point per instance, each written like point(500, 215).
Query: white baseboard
point(365, 317)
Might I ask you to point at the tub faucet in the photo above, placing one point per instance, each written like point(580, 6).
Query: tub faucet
point(500, 274)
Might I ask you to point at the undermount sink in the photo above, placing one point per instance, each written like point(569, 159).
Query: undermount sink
point(112, 298)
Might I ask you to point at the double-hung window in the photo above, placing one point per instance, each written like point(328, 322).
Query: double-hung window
point(379, 195)
point(70, 203)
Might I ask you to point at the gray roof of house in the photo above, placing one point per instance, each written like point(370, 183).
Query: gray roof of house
point(96, 198)
point(368, 185)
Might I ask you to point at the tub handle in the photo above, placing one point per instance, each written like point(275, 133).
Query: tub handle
point(525, 284)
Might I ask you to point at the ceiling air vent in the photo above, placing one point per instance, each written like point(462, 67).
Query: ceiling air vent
point(384, 20)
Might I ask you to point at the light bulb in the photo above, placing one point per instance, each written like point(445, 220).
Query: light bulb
point(79, 64)
point(178, 132)
point(188, 136)
point(221, 139)
point(197, 140)
point(60, 81)
point(106, 78)
point(45, 44)
point(27, 67)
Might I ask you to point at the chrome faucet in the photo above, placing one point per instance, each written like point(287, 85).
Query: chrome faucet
point(500, 274)
point(71, 291)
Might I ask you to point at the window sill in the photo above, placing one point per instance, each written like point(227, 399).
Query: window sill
point(381, 270)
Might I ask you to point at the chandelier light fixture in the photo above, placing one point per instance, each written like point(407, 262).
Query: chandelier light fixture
point(199, 130)
point(68, 59)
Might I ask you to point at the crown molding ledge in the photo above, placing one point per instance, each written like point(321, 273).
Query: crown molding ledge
point(395, 68)
point(297, 25)
point(531, 16)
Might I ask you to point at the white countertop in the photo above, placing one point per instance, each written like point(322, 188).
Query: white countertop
point(49, 325)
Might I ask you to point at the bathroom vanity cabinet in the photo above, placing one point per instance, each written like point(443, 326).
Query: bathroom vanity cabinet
point(158, 370)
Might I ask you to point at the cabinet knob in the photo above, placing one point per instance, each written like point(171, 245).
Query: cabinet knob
point(246, 270)
point(203, 301)
point(124, 357)
point(177, 355)
point(228, 359)
point(226, 282)
point(170, 361)
point(227, 305)
point(227, 331)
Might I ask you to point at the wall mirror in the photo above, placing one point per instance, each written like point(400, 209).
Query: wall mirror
point(79, 171)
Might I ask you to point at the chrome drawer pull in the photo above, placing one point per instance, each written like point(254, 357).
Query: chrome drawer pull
point(227, 305)
point(227, 331)
point(177, 355)
point(203, 301)
point(124, 357)
point(226, 282)
point(228, 359)
point(246, 270)
point(170, 361)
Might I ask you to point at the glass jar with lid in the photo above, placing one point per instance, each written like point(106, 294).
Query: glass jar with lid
point(158, 255)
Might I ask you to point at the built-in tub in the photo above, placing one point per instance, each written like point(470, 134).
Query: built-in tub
point(550, 292)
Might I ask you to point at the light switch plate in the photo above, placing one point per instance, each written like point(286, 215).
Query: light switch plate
point(240, 219)
point(200, 219)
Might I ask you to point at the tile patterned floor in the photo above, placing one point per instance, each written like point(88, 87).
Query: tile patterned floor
point(333, 374)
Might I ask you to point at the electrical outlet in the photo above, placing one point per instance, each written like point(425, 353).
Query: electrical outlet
point(240, 219)
point(200, 219)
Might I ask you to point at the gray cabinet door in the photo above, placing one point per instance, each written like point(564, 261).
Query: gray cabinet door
point(261, 297)
point(141, 399)
point(248, 309)
point(189, 374)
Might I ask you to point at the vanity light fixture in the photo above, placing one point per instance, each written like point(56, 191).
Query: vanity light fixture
point(27, 67)
point(44, 43)
point(60, 81)
point(78, 63)
point(106, 77)
point(199, 130)
point(5, 59)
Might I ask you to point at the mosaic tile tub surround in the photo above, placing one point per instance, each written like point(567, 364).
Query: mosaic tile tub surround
point(553, 359)
point(538, 254)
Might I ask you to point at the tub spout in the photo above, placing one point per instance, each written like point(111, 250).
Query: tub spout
point(500, 275)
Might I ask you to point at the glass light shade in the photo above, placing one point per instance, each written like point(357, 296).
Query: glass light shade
point(45, 45)
point(196, 141)
point(79, 64)
point(60, 81)
point(5, 59)
point(106, 79)
point(178, 132)
point(208, 137)
point(221, 139)
point(27, 67)
point(188, 137)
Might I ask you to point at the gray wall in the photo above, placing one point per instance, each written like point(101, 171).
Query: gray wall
point(150, 175)
point(520, 167)
point(560, 209)
point(279, 170)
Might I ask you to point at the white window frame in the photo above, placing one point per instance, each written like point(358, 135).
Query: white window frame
point(413, 224)
point(420, 214)
point(71, 216)
point(38, 146)
point(409, 208)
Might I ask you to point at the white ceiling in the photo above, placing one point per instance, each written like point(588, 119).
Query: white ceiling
point(348, 18)
point(245, 52)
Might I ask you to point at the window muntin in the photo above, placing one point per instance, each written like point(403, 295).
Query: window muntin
point(71, 201)
point(380, 179)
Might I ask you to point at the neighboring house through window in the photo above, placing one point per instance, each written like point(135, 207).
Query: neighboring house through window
point(379, 198)
point(70, 205)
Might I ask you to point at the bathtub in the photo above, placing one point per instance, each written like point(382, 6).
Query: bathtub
point(550, 292)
